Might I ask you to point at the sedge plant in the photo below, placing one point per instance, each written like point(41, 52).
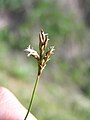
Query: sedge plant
point(42, 58)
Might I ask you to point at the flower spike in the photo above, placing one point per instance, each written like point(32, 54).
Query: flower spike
point(41, 60)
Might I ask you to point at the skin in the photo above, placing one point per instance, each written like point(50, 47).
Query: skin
point(11, 108)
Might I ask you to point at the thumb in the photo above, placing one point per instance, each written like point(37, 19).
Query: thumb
point(11, 108)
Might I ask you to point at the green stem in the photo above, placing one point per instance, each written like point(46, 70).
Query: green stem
point(32, 97)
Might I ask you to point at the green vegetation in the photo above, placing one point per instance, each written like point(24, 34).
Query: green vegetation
point(64, 89)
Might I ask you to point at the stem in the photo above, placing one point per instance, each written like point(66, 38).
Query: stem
point(32, 97)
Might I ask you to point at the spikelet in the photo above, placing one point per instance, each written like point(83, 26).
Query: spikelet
point(41, 59)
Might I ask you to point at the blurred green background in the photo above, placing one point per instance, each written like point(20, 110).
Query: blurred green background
point(63, 92)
